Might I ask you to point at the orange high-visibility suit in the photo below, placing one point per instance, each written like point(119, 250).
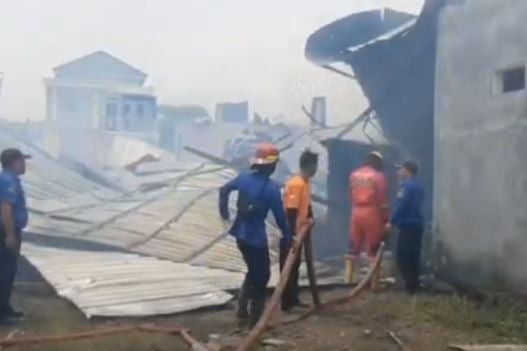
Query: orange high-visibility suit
point(370, 209)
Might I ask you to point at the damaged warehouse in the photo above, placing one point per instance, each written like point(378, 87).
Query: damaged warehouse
point(127, 221)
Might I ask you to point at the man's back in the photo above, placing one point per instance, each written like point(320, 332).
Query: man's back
point(265, 195)
point(408, 212)
point(367, 187)
point(297, 196)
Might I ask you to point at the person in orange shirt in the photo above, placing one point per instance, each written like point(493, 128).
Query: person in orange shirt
point(297, 200)
point(370, 212)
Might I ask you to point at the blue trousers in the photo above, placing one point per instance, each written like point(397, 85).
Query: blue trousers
point(409, 256)
point(258, 270)
point(8, 268)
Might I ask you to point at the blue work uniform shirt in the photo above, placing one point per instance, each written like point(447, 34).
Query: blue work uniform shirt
point(408, 212)
point(11, 191)
point(266, 192)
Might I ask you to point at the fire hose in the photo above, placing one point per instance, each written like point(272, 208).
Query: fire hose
point(348, 297)
point(255, 334)
point(30, 340)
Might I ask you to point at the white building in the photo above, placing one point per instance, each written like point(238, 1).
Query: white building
point(480, 190)
point(95, 96)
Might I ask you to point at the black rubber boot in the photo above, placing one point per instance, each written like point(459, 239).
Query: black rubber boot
point(257, 308)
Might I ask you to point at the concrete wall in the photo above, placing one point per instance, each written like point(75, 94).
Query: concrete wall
point(76, 107)
point(480, 187)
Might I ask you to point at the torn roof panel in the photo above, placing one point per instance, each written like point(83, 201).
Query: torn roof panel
point(106, 283)
point(386, 36)
point(179, 223)
point(129, 284)
point(332, 42)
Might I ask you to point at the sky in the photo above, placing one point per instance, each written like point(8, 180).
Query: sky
point(195, 51)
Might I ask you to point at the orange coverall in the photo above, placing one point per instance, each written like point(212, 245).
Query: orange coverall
point(370, 209)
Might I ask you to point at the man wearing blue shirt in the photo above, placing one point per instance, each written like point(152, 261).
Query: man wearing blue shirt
point(13, 219)
point(408, 218)
point(257, 194)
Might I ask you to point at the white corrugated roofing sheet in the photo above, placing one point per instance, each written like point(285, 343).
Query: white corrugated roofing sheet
point(119, 284)
point(179, 223)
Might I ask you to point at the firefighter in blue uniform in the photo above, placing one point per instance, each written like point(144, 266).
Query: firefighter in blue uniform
point(13, 219)
point(408, 219)
point(257, 194)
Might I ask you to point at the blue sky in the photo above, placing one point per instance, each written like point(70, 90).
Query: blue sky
point(196, 51)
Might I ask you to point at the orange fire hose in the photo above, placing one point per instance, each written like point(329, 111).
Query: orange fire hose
point(185, 335)
point(348, 297)
point(250, 341)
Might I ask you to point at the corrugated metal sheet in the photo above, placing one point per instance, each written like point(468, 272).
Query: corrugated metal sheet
point(120, 284)
point(178, 223)
point(50, 186)
point(187, 259)
point(386, 36)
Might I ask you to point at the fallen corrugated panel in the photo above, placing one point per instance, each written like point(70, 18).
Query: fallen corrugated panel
point(121, 284)
point(180, 225)
point(174, 224)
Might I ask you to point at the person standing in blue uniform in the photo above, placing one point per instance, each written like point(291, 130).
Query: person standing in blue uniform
point(409, 220)
point(257, 194)
point(13, 219)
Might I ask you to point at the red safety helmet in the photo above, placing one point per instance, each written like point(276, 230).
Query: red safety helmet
point(266, 154)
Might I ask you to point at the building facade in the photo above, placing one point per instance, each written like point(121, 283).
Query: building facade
point(480, 187)
point(100, 92)
point(94, 98)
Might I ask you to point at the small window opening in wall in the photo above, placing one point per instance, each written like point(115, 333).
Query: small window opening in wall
point(512, 79)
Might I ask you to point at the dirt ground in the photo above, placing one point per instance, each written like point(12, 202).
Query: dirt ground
point(428, 322)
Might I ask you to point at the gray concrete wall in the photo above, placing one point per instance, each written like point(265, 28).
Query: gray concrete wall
point(480, 204)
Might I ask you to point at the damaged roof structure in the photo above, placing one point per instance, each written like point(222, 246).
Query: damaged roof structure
point(443, 95)
point(133, 253)
point(392, 56)
point(375, 49)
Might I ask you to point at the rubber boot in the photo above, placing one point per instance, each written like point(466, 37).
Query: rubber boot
point(242, 312)
point(351, 270)
point(257, 308)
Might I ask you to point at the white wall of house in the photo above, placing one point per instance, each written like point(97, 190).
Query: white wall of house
point(480, 190)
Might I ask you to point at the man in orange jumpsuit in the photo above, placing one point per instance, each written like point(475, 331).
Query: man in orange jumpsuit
point(370, 212)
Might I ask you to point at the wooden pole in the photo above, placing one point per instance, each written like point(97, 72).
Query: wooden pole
point(254, 335)
point(311, 274)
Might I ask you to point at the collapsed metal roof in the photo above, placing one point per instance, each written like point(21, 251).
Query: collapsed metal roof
point(177, 223)
point(171, 252)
